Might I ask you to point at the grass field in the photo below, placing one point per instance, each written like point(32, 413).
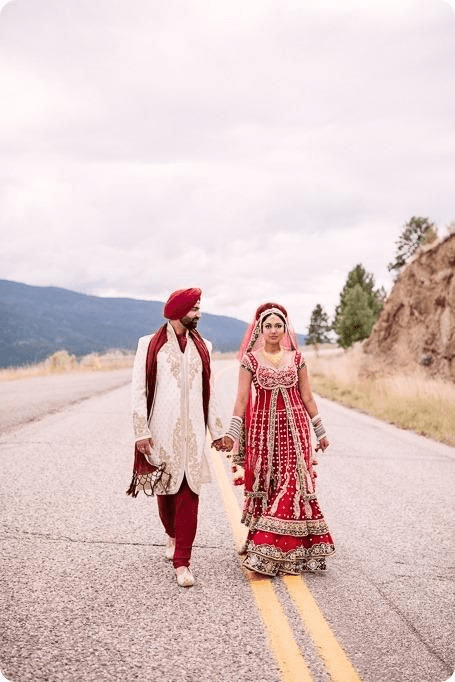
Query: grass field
point(62, 361)
point(414, 402)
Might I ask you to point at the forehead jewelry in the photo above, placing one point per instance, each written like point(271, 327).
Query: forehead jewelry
point(271, 311)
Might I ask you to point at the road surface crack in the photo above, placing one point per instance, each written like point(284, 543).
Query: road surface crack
point(15, 533)
point(411, 626)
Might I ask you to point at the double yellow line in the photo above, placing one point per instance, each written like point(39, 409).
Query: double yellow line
point(282, 641)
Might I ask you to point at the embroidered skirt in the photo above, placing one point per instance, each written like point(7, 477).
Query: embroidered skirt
point(287, 531)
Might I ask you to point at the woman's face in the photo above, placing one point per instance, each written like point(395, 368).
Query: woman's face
point(273, 329)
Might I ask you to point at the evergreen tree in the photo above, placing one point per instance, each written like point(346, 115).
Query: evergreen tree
point(358, 317)
point(417, 231)
point(359, 276)
point(318, 331)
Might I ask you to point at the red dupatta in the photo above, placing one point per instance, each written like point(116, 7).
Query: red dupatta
point(142, 469)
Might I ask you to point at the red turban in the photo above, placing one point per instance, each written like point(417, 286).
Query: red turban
point(180, 303)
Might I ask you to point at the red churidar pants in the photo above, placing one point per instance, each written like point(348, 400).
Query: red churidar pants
point(178, 514)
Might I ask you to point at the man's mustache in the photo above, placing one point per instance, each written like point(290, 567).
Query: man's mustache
point(190, 324)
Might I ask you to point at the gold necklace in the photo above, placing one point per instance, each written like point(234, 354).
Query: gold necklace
point(273, 358)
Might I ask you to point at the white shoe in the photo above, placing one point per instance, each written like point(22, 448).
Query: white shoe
point(170, 548)
point(184, 576)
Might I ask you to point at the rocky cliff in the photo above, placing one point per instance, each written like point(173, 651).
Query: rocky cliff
point(417, 325)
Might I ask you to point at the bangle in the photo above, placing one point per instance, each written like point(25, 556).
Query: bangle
point(318, 427)
point(234, 428)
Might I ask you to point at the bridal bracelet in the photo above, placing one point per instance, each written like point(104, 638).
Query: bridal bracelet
point(235, 428)
point(318, 427)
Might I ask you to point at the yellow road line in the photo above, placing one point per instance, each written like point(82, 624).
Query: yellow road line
point(282, 641)
point(337, 663)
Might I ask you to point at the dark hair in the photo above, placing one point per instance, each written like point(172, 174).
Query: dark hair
point(269, 315)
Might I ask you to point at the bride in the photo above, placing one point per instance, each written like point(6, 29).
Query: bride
point(287, 531)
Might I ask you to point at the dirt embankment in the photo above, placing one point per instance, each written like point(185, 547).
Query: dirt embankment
point(417, 325)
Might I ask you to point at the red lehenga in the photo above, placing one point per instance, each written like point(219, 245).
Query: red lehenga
point(287, 531)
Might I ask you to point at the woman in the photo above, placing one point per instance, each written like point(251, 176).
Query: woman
point(287, 532)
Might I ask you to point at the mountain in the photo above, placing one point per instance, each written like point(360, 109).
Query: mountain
point(38, 321)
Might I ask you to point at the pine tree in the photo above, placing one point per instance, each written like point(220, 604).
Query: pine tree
point(365, 280)
point(358, 317)
point(319, 328)
point(416, 232)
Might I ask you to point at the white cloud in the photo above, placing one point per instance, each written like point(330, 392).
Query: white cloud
point(259, 149)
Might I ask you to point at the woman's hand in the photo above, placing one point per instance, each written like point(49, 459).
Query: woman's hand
point(322, 445)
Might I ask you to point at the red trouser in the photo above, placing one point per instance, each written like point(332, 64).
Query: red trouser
point(178, 514)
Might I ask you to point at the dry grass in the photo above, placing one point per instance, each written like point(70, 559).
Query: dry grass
point(62, 361)
point(415, 402)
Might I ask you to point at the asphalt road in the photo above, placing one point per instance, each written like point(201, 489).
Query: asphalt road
point(26, 400)
point(86, 594)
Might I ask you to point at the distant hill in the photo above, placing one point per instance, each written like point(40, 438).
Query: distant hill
point(38, 321)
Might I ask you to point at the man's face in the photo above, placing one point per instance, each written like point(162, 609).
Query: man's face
point(192, 317)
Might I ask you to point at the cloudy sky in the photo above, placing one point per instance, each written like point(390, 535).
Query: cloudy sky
point(258, 149)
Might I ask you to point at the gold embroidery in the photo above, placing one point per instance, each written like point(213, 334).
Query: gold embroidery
point(174, 361)
point(281, 494)
point(271, 437)
point(299, 529)
point(269, 378)
point(301, 481)
point(177, 440)
point(270, 560)
point(275, 553)
point(194, 462)
point(246, 364)
point(195, 364)
point(170, 469)
point(140, 424)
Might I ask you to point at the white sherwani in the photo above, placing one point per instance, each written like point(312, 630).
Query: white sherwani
point(176, 425)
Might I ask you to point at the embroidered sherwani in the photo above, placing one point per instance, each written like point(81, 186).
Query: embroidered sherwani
point(176, 424)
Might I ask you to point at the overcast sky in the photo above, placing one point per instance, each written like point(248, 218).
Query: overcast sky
point(258, 149)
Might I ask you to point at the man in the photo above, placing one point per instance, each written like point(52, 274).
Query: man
point(173, 405)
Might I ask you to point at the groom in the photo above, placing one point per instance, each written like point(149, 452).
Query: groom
point(173, 405)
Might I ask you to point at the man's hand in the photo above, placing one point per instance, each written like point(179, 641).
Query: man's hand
point(225, 444)
point(228, 443)
point(145, 446)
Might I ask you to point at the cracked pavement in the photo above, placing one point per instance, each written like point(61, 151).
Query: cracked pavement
point(86, 593)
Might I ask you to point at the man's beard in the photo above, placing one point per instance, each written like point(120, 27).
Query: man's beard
point(189, 322)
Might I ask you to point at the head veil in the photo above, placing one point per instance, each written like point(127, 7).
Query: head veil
point(254, 340)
